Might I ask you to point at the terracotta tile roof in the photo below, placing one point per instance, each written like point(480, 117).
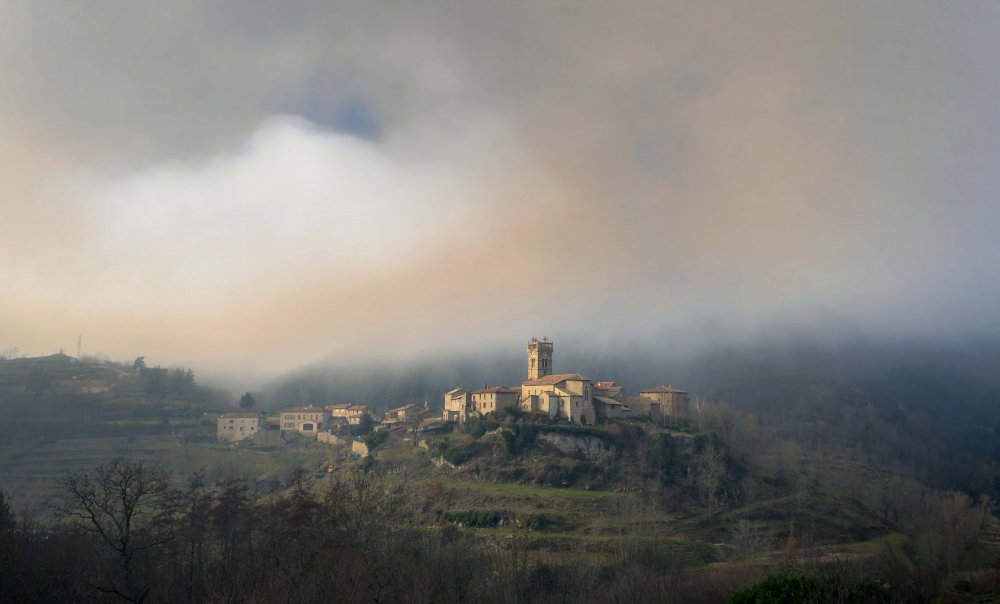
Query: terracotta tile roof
point(666, 389)
point(454, 391)
point(337, 406)
point(552, 380)
point(308, 409)
point(609, 401)
point(240, 415)
point(608, 387)
point(494, 390)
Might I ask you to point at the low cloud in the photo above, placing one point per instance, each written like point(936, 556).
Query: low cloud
point(349, 181)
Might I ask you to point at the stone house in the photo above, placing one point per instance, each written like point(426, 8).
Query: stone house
point(232, 427)
point(338, 411)
point(606, 408)
point(305, 420)
point(409, 413)
point(349, 413)
point(356, 412)
point(457, 405)
point(663, 402)
point(490, 399)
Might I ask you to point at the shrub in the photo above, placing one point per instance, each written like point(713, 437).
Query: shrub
point(478, 426)
point(463, 453)
point(479, 518)
point(368, 463)
point(792, 589)
point(376, 438)
point(518, 438)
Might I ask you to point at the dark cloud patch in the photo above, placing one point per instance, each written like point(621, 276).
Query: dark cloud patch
point(355, 116)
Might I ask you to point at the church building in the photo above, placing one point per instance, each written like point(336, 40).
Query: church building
point(568, 396)
point(571, 397)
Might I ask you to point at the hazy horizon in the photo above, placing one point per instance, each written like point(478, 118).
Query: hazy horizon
point(248, 189)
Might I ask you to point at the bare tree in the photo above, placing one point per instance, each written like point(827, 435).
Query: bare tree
point(122, 504)
point(749, 540)
point(710, 468)
point(955, 524)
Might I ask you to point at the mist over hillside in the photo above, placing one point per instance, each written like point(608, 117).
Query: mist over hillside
point(900, 375)
point(930, 406)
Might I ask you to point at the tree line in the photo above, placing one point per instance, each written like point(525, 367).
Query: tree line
point(129, 533)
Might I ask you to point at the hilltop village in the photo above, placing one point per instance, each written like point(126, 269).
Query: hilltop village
point(571, 398)
point(564, 472)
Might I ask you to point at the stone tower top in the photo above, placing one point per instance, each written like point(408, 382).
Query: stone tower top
point(539, 358)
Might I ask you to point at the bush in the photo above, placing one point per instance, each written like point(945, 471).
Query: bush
point(478, 426)
point(560, 474)
point(368, 463)
point(463, 453)
point(513, 412)
point(789, 588)
point(479, 518)
point(518, 438)
point(376, 438)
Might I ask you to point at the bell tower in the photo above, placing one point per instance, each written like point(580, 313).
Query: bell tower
point(539, 358)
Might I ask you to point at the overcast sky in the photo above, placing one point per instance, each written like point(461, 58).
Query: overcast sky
point(259, 185)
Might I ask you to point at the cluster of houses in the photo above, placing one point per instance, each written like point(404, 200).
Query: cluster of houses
point(571, 397)
point(324, 423)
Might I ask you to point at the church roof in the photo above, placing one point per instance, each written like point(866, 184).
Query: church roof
point(666, 389)
point(609, 401)
point(552, 380)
